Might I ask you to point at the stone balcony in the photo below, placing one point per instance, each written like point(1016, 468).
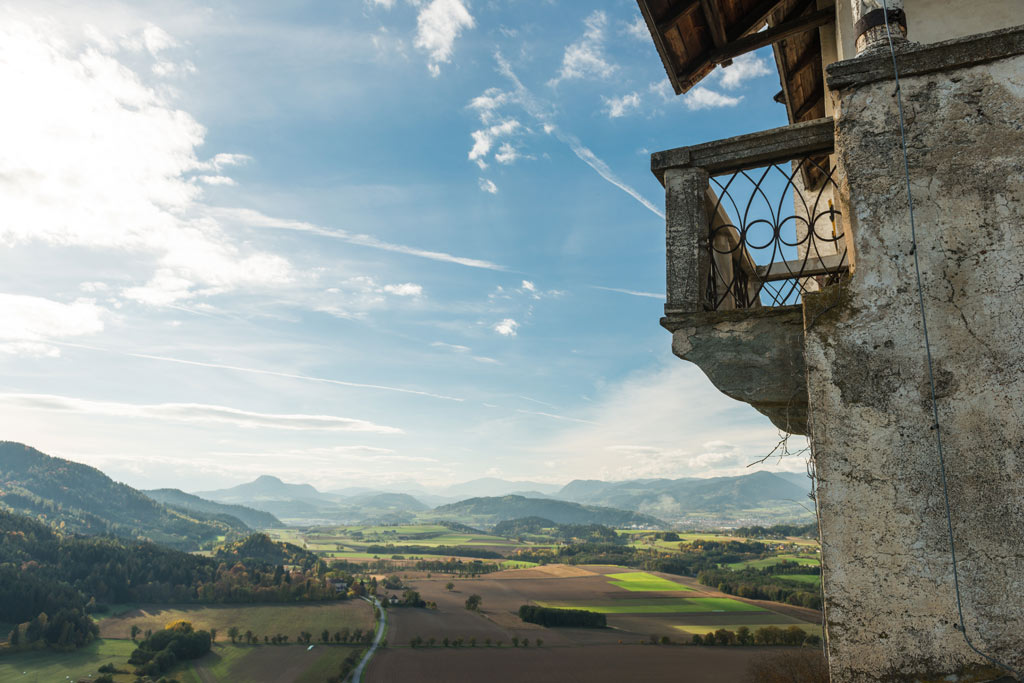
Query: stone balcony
point(751, 225)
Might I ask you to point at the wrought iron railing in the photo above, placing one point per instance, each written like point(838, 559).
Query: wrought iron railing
point(773, 233)
point(751, 221)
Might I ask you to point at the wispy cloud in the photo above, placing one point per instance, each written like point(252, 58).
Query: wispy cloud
point(586, 57)
point(488, 186)
point(705, 98)
point(194, 413)
point(743, 68)
point(255, 219)
point(30, 321)
point(555, 417)
point(618, 107)
point(259, 371)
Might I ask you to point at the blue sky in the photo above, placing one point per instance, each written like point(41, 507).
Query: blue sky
point(347, 243)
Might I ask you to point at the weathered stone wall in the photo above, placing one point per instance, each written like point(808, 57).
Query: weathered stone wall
point(887, 573)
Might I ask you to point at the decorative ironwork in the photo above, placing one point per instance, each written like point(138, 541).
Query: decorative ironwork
point(763, 253)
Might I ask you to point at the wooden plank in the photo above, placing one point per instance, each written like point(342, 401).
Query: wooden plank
point(659, 44)
point(810, 56)
point(715, 22)
point(772, 35)
point(817, 96)
point(667, 23)
point(786, 270)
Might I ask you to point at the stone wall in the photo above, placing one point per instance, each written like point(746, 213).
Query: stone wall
point(887, 572)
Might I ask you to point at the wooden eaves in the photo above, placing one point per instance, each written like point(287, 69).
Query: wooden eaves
point(694, 36)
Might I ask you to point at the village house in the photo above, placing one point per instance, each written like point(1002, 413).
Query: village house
point(802, 281)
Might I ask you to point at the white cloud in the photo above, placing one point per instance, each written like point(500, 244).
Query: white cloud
point(30, 321)
point(703, 98)
point(662, 89)
point(405, 289)
point(217, 180)
point(743, 68)
point(506, 154)
point(438, 25)
point(488, 186)
point(104, 161)
point(529, 286)
point(195, 413)
point(484, 138)
point(386, 4)
point(506, 327)
point(618, 107)
point(458, 348)
point(586, 58)
point(637, 29)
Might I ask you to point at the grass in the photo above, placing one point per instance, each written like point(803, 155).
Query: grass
point(261, 619)
point(517, 564)
point(811, 579)
point(644, 582)
point(806, 561)
point(325, 667)
point(658, 606)
point(49, 665)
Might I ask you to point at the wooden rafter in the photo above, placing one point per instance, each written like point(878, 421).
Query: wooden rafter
point(669, 22)
point(767, 37)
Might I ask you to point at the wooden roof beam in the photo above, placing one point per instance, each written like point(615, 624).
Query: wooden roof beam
point(667, 23)
point(772, 35)
point(715, 22)
point(754, 19)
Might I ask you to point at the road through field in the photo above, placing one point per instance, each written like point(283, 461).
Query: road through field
point(357, 676)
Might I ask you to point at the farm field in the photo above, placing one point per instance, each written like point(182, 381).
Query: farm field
point(562, 664)
point(806, 560)
point(812, 579)
point(643, 582)
point(656, 606)
point(262, 620)
point(47, 665)
point(245, 663)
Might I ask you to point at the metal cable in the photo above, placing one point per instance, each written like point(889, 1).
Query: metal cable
point(962, 627)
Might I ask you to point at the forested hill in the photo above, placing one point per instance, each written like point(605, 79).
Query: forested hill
point(255, 519)
point(497, 509)
point(82, 499)
point(49, 571)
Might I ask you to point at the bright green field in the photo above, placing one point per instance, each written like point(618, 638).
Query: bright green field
point(658, 606)
point(812, 579)
point(517, 564)
point(47, 665)
point(642, 581)
point(778, 559)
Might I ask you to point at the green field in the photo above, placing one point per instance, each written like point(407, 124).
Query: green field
point(657, 606)
point(644, 582)
point(48, 665)
point(804, 560)
point(812, 579)
point(260, 619)
point(517, 564)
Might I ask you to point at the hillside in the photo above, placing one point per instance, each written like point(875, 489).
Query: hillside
point(672, 497)
point(399, 502)
point(254, 519)
point(84, 500)
point(496, 509)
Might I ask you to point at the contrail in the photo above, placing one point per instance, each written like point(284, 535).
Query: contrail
point(631, 292)
point(537, 110)
point(258, 220)
point(257, 371)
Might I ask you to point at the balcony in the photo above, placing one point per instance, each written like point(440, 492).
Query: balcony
point(752, 223)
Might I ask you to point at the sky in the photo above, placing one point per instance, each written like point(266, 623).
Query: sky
point(352, 243)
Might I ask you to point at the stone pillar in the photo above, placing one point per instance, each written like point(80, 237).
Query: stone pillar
point(887, 571)
point(869, 24)
point(686, 240)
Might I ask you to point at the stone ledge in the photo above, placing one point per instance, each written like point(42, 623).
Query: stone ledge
point(754, 355)
point(915, 60)
point(749, 151)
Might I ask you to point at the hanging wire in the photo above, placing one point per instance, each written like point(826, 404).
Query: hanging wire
point(962, 627)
